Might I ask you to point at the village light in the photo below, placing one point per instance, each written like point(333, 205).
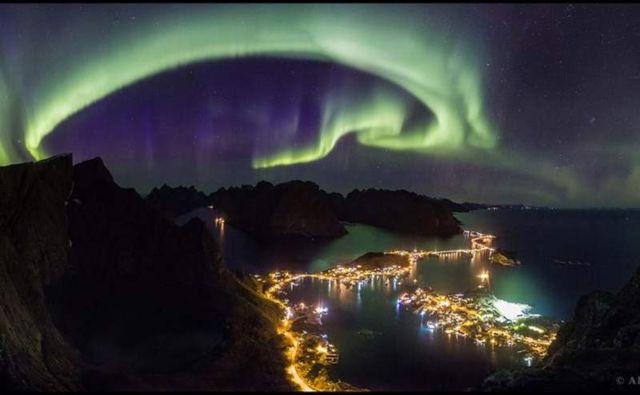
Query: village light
point(484, 276)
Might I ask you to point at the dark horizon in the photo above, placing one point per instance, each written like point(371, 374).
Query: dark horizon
point(494, 103)
point(344, 192)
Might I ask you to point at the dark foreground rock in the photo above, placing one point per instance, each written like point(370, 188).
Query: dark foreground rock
point(294, 209)
point(599, 349)
point(134, 273)
point(33, 254)
point(110, 294)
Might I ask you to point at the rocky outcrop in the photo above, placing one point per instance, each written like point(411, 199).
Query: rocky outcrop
point(599, 349)
point(378, 260)
point(177, 201)
point(504, 257)
point(400, 211)
point(294, 209)
point(110, 294)
point(33, 254)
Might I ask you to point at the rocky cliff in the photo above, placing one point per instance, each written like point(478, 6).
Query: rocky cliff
point(131, 268)
point(599, 349)
point(107, 293)
point(33, 254)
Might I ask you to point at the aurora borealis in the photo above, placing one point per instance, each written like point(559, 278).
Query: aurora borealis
point(492, 103)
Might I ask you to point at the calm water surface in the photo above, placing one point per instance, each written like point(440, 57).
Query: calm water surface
point(404, 355)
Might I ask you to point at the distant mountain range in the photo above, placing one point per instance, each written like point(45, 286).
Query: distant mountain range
point(301, 209)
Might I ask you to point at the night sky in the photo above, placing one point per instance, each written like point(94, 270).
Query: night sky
point(533, 104)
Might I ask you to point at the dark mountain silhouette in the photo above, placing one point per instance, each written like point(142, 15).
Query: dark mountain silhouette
point(100, 291)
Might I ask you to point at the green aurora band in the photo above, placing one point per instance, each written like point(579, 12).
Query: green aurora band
point(403, 45)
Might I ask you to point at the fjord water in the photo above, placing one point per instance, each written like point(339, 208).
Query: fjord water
point(401, 354)
point(607, 241)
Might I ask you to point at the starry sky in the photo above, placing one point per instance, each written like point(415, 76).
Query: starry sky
point(532, 104)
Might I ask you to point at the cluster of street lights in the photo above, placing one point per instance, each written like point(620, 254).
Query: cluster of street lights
point(456, 314)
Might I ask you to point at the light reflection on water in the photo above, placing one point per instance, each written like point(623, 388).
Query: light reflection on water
point(407, 356)
point(403, 353)
point(606, 239)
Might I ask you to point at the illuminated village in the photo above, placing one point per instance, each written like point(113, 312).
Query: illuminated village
point(485, 319)
point(476, 314)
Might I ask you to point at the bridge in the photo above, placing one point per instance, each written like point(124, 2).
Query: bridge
point(480, 243)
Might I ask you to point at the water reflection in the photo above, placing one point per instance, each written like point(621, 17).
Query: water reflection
point(406, 355)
